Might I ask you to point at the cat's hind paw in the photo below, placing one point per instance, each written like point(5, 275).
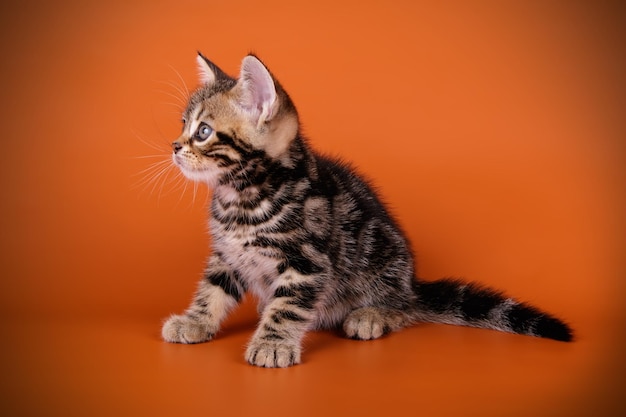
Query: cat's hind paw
point(369, 323)
point(272, 354)
point(184, 329)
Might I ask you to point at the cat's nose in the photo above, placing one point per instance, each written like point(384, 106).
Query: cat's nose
point(176, 146)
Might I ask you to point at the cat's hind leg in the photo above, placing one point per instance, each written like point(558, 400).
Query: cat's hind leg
point(369, 323)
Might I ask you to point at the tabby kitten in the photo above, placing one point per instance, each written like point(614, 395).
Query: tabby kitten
point(305, 234)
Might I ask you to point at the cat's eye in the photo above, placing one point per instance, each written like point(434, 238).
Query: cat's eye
point(203, 132)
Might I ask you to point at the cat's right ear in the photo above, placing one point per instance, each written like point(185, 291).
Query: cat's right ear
point(208, 71)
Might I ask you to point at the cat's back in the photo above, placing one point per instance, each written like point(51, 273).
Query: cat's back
point(341, 181)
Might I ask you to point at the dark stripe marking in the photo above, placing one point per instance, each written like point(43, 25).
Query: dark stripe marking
point(438, 296)
point(282, 315)
point(478, 302)
point(553, 328)
point(303, 295)
point(225, 282)
point(522, 317)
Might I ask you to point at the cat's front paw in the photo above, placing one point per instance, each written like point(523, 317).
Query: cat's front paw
point(273, 354)
point(184, 329)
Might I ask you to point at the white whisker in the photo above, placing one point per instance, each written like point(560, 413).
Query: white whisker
point(184, 92)
point(154, 178)
point(186, 183)
point(195, 191)
point(180, 101)
point(155, 166)
point(164, 147)
point(147, 156)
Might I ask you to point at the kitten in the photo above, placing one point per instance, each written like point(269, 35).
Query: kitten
point(305, 234)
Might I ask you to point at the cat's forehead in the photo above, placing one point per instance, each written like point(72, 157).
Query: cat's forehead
point(199, 98)
point(206, 95)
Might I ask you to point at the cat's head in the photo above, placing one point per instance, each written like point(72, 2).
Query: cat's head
point(230, 121)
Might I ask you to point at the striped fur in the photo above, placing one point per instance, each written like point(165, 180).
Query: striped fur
point(306, 235)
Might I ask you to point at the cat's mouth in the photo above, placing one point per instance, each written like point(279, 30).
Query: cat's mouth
point(184, 165)
point(194, 172)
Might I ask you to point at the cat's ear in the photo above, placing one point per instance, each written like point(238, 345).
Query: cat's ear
point(257, 90)
point(208, 71)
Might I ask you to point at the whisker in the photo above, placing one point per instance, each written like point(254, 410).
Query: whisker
point(153, 167)
point(180, 198)
point(195, 191)
point(182, 102)
point(163, 183)
point(164, 147)
point(147, 156)
point(161, 177)
point(178, 107)
point(181, 95)
point(182, 80)
point(151, 175)
point(166, 142)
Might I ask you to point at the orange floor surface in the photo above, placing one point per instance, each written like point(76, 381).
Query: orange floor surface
point(495, 130)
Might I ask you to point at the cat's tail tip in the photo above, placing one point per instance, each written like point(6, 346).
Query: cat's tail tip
point(552, 328)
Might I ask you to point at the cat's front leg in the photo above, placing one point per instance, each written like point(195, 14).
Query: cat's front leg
point(289, 314)
point(218, 292)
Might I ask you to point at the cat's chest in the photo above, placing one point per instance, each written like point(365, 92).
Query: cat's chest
point(257, 266)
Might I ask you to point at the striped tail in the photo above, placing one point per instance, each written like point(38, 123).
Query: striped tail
point(452, 301)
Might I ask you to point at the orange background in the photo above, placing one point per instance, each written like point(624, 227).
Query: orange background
point(495, 130)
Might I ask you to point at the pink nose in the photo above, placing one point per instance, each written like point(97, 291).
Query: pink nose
point(176, 146)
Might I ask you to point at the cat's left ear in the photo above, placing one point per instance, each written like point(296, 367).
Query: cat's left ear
point(209, 72)
point(257, 90)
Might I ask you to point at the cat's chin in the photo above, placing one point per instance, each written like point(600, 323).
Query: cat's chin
point(207, 176)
